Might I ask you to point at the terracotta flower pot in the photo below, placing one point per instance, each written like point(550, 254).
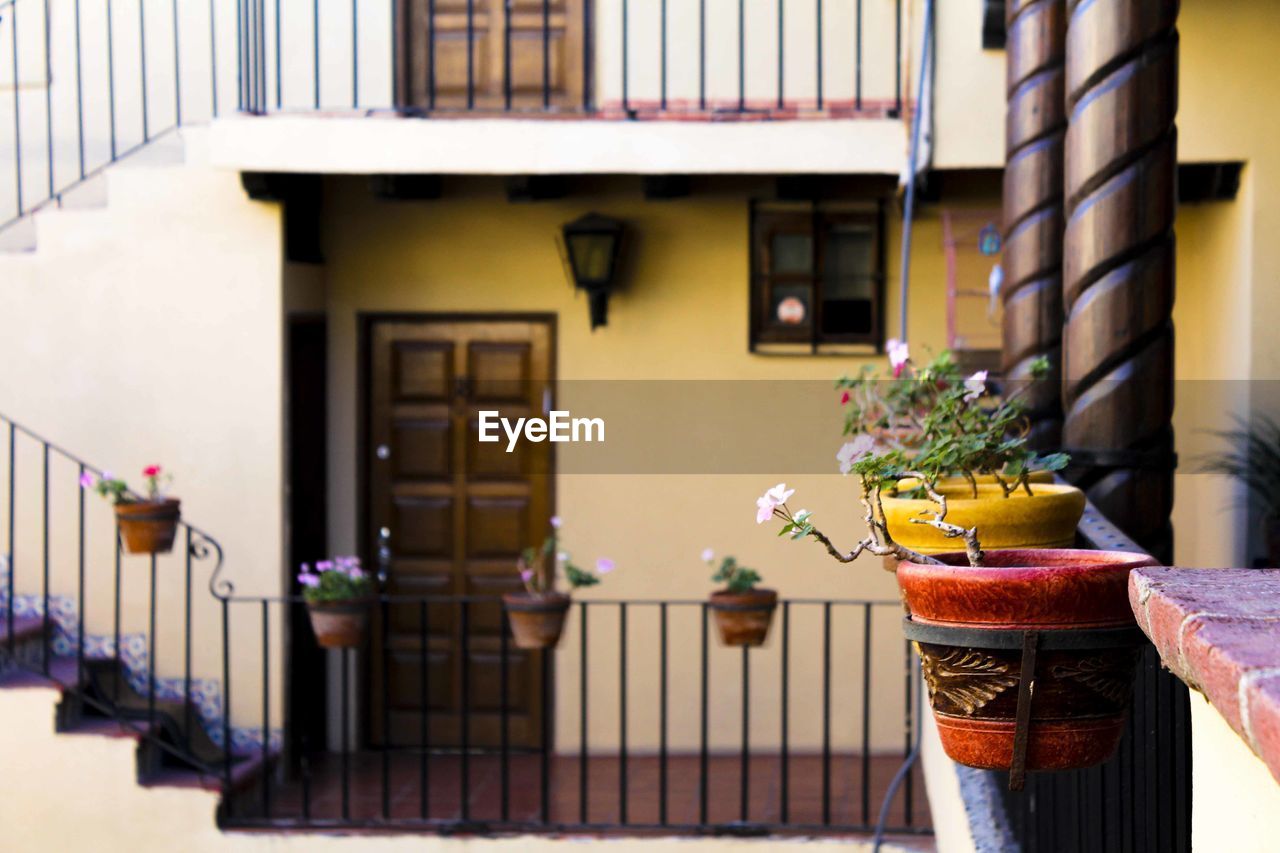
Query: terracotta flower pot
point(340, 624)
point(1080, 695)
point(536, 620)
point(1045, 519)
point(149, 527)
point(743, 618)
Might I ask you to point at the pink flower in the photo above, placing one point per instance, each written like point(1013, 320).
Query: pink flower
point(708, 555)
point(770, 500)
point(844, 398)
point(854, 451)
point(151, 471)
point(526, 575)
point(975, 386)
point(899, 355)
point(309, 580)
point(604, 565)
point(87, 481)
point(555, 522)
point(324, 566)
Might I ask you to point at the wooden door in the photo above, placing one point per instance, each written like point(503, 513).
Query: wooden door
point(503, 34)
point(454, 514)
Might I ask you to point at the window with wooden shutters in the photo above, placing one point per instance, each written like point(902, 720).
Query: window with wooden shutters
point(817, 276)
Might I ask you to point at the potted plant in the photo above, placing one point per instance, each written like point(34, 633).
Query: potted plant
point(338, 595)
point(980, 619)
point(537, 614)
point(743, 613)
point(1252, 458)
point(978, 456)
point(148, 525)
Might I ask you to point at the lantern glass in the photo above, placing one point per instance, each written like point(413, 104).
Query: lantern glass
point(592, 257)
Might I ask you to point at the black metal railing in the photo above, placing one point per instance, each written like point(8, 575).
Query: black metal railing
point(106, 79)
point(449, 746)
point(79, 611)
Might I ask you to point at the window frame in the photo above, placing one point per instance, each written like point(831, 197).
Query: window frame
point(817, 220)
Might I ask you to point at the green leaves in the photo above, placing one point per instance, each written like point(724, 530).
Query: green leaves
point(736, 578)
point(577, 577)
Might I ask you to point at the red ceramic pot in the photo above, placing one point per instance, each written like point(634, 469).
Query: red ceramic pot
point(743, 618)
point(1081, 695)
point(340, 624)
point(536, 620)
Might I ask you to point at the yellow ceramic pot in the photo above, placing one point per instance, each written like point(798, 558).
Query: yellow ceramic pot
point(1045, 519)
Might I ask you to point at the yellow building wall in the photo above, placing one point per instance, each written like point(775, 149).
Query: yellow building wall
point(683, 316)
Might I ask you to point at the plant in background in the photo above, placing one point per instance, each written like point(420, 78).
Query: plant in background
point(339, 579)
point(117, 490)
point(1252, 458)
point(538, 567)
point(735, 577)
point(148, 524)
point(956, 436)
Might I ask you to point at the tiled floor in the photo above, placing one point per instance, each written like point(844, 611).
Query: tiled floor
point(846, 804)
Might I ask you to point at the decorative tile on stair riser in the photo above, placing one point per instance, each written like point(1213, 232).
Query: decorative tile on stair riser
point(206, 693)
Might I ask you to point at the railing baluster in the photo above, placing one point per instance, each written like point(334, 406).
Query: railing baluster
point(17, 127)
point(431, 54)
point(626, 71)
point(386, 710)
point(826, 713)
point(80, 600)
point(464, 764)
point(586, 57)
point(504, 718)
point(226, 672)
point(663, 39)
point(315, 53)
point(111, 79)
point(622, 713)
point(471, 50)
point(818, 52)
point(48, 98)
point(857, 57)
point(866, 712)
point(742, 56)
point(188, 706)
point(346, 734)
point(151, 654)
point(213, 58)
point(745, 768)
point(279, 76)
point(177, 69)
point(781, 50)
point(544, 744)
point(662, 714)
point(784, 806)
point(355, 54)
point(506, 54)
point(546, 54)
point(116, 606)
point(13, 511)
point(704, 711)
point(424, 717)
point(897, 57)
point(266, 708)
point(44, 550)
point(142, 65)
point(702, 55)
point(79, 94)
point(582, 713)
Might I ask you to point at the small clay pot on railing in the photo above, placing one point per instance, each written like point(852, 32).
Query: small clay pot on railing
point(340, 624)
point(743, 618)
point(148, 527)
point(1029, 659)
point(536, 620)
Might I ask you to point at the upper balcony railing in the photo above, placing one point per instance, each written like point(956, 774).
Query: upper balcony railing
point(86, 82)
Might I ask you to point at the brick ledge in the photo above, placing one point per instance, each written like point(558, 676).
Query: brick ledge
point(1219, 631)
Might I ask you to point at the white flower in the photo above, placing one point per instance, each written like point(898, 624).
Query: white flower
point(555, 522)
point(708, 555)
point(770, 500)
point(853, 451)
point(563, 557)
point(899, 355)
point(975, 386)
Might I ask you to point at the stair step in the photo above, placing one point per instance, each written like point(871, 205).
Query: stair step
point(19, 237)
point(25, 628)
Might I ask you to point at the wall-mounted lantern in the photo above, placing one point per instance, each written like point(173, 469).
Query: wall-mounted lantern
point(593, 244)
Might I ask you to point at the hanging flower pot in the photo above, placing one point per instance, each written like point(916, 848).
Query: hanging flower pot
point(744, 618)
point(537, 620)
point(148, 527)
point(1061, 617)
point(537, 614)
point(340, 624)
point(339, 595)
point(1046, 518)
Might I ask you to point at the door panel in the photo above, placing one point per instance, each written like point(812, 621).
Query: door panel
point(489, 23)
point(458, 513)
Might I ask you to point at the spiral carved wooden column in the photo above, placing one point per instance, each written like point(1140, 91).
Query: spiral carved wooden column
point(1118, 268)
point(1035, 130)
